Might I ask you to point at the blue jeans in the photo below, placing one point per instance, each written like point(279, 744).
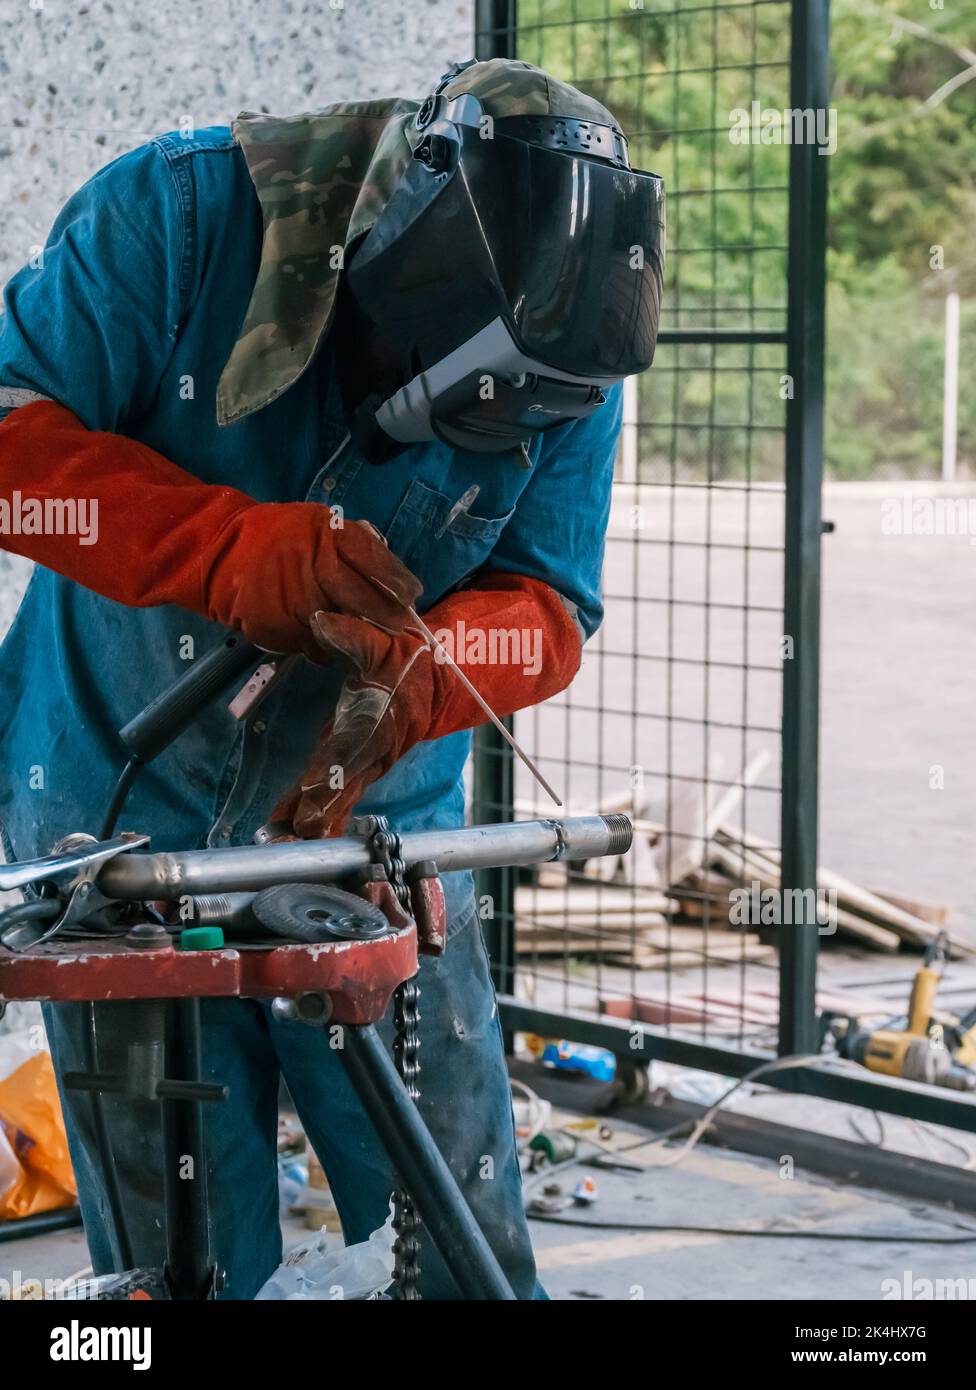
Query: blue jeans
point(465, 1101)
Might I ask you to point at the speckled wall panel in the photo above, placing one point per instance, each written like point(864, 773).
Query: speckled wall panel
point(82, 83)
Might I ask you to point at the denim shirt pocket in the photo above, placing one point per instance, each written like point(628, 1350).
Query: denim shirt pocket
point(441, 561)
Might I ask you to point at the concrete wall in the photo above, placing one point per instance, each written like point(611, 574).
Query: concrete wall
point(82, 82)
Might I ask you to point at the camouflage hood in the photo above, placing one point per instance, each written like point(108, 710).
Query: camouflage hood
point(322, 179)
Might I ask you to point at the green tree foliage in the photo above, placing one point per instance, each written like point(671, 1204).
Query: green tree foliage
point(902, 204)
point(902, 196)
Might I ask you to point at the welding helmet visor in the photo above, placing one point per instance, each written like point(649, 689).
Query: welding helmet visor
point(510, 279)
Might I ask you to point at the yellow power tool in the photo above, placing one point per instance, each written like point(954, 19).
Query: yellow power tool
point(915, 1051)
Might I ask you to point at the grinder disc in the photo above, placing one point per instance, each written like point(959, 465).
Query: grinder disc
point(318, 912)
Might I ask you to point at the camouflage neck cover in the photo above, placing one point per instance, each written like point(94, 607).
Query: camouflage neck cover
point(322, 179)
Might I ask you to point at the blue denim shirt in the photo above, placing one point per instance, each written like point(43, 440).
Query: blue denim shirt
point(128, 322)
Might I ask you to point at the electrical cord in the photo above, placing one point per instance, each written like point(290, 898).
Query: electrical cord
point(926, 1135)
point(764, 1069)
point(544, 1175)
point(697, 1130)
point(865, 1237)
point(878, 1143)
point(122, 788)
point(33, 910)
point(539, 1109)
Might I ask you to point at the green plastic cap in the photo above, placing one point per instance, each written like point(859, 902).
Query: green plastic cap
point(201, 939)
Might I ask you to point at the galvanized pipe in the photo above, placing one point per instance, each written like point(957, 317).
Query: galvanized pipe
point(139, 877)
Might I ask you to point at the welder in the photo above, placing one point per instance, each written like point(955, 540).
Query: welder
point(305, 373)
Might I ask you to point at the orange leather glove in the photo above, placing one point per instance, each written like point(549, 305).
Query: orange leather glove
point(401, 692)
point(163, 536)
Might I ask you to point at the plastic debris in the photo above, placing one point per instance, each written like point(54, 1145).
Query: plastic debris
point(327, 1269)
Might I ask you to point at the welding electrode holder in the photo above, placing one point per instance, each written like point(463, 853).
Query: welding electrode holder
point(155, 727)
point(165, 718)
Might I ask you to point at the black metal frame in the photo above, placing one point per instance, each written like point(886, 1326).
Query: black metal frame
point(169, 1041)
point(806, 276)
point(422, 1169)
point(802, 339)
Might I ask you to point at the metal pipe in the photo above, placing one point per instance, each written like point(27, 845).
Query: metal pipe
point(138, 877)
point(483, 704)
point(425, 1174)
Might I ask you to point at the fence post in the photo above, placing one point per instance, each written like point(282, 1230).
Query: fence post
point(493, 800)
point(809, 90)
point(494, 774)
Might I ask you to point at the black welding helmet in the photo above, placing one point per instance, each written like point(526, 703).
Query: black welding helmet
point(512, 276)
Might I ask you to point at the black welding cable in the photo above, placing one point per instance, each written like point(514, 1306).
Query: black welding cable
point(122, 788)
point(546, 1174)
point(19, 1228)
point(698, 1128)
point(34, 910)
point(871, 1237)
point(110, 1174)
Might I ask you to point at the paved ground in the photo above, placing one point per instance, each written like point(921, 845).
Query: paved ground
point(634, 1243)
point(735, 1194)
point(899, 672)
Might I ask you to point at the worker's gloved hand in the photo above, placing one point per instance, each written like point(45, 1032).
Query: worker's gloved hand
point(383, 709)
point(274, 564)
point(526, 647)
point(165, 537)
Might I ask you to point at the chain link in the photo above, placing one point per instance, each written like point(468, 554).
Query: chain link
point(406, 1222)
point(406, 1046)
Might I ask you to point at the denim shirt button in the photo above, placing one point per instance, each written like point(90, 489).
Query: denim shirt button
point(328, 484)
point(259, 726)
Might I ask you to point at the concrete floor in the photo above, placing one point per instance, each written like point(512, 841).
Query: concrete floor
point(727, 1190)
point(710, 1188)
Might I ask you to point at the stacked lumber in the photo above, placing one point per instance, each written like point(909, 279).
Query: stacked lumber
point(871, 919)
point(633, 927)
point(666, 903)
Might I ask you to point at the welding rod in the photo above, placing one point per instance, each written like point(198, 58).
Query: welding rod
point(484, 705)
point(138, 877)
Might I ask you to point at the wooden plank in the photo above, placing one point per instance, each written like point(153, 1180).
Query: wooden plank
point(584, 899)
point(660, 947)
point(680, 960)
point(869, 933)
point(687, 937)
point(938, 914)
point(691, 824)
point(854, 898)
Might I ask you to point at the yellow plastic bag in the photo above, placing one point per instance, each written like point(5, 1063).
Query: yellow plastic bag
point(30, 1117)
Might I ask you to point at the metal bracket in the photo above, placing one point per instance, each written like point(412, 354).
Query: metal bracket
point(64, 867)
point(73, 873)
